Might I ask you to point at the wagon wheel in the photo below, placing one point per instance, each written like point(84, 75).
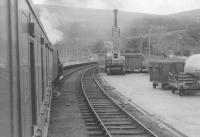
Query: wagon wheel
point(165, 86)
point(123, 71)
point(181, 92)
point(173, 90)
point(141, 70)
point(108, 71)
point(154, 85)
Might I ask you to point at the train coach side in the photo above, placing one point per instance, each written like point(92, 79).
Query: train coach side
point(8, 81)
point(27, 69)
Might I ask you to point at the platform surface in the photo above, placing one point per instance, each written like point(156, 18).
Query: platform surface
point(183, 113)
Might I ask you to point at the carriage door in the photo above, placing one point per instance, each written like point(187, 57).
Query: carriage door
point(33, 84)
point(42, 70)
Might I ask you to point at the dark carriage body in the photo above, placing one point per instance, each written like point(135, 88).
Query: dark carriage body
point(28, 65)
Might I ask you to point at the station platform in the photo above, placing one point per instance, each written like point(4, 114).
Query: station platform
point(180, 113)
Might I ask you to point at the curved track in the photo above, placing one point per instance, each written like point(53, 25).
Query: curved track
point(110, 118)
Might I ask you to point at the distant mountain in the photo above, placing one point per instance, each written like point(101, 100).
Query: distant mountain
point(98, 19)
point(193, 15)
point(85, 27)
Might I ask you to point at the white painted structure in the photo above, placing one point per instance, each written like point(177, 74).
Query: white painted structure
point(192, 65)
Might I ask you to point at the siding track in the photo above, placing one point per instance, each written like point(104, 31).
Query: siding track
point(110, 118)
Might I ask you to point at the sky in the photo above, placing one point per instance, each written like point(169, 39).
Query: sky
point(162, 7)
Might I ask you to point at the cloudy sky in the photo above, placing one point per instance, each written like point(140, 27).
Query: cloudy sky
point(145, 6)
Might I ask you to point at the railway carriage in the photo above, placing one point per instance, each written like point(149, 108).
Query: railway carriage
point(28, 65)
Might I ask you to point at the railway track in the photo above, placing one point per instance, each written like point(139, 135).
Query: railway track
point(103, 116)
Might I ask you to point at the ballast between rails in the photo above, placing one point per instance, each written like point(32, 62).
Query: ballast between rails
point(101, 123)
point(126, 114)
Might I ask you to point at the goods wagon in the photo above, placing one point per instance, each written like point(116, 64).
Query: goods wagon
point(159, 71)
point(133, 62)
point(28, 65)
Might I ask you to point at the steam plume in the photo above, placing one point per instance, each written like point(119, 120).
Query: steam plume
point(50, 25)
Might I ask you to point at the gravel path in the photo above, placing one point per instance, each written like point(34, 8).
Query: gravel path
point(66, 119)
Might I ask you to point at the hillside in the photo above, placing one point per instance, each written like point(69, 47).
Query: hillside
point(78, 27)
point(193, 15)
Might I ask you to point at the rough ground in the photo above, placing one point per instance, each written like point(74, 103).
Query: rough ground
point(181, 113)
point(66, 119)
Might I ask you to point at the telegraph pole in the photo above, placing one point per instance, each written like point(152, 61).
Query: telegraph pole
point(140, 44)
point(149, 43)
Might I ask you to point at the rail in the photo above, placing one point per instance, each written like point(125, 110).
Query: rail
point(100, 121)
point(125, 112)
point(128, 125)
